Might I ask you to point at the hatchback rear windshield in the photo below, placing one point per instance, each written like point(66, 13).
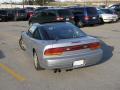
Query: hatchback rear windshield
point(61, 31)
point(91, 11)
point(64, 12)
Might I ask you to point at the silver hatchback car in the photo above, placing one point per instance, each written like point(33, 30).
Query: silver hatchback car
point(60, 45)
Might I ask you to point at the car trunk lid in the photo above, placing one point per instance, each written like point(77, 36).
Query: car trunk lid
point(68, 47)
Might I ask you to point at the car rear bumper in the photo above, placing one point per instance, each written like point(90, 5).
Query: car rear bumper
point(67, 63)
point(110, 20)
point(91, 22)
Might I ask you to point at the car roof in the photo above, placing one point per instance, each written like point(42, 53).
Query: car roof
point(47, 9)
point(81, 7)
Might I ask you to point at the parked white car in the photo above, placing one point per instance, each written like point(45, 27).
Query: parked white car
point(106, 15)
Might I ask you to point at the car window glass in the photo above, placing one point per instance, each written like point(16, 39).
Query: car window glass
point(62, 31)
point(64, 12)
point(29, 33)
point(79, 12)
point(51, 14)
point(43, 34)
point(43, 14)
point(91, 11)
point(21, 11)
point(106, 11)
point(48, 14)
point(32, 29)
point(112, 7)
point(48, 17)
point(36, 34)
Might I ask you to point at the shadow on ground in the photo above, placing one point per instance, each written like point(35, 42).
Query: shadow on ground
point(1, 54)
point(107, 52)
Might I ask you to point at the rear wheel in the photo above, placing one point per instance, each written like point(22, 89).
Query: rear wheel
point(15, 18)
point(30, 23)
point(5, 19)
point(22, 44)
point(101, 21)
point(36, 62)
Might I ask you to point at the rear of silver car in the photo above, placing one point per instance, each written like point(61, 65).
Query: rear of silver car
point(71, 54)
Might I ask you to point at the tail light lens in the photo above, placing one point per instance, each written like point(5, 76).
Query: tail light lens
point(54, 51)
point(94, 46)
point(87, 18)
point(61, 50)
point(31, 14)
point(17, 14)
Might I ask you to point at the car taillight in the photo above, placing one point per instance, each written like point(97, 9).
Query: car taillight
point(87, 18)
point(31, 14)
point(54, 51)
point(59, 18)
point(61, 50)
point(17, 14)
point(95, 45)
point(72, 17)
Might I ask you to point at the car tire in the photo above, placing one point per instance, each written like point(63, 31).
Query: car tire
point(101, 21)
point(15, 18)
point(30, 23)
point(36, 62)
point(5, 19)
point(21, 44)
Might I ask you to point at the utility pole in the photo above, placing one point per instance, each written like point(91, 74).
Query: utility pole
point(11, 3)
point(43, 2)
point(84, 3)
point(106, 2)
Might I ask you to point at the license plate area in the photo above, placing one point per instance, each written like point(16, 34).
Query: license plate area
point(79, 63)
point(67, 19)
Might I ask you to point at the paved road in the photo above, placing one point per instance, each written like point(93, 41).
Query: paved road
point(17, 71)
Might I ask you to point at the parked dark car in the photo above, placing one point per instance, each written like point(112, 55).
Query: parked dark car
point(116, 9)
point(51, 15)
point(29, 11)
point(85, 15)
point(5, 15)
point(19, 14)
